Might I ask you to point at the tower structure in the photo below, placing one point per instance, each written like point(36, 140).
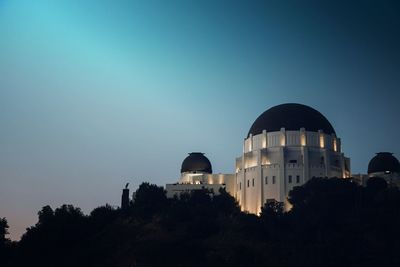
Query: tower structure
point(125, 198)
point(285, 147)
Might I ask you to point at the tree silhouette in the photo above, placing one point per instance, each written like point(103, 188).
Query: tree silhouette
point(225, 203)
point(3, 230)
point(103, 216)
point(46, 215)
point(333, 222)
point(149, 199)
point(6, 246)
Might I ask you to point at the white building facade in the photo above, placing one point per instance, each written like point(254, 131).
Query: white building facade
point(275, 162)
point(286, 146)
point(196, 174)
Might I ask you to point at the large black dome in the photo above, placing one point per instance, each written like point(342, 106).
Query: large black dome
point(383, 162)
point(292, 117)
point(196, 162)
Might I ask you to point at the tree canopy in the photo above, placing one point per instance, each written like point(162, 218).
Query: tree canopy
point(333, 222)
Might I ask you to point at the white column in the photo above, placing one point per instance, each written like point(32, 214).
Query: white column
point(282, 174)
point(306, 165)
point(260, 180)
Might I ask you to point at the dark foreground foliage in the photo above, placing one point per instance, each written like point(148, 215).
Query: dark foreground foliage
point(333, 222)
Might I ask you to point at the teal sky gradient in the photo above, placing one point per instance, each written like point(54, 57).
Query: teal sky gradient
point(94, 94)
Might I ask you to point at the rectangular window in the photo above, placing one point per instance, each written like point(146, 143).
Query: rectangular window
point(273, 179)
point(248, 183)
point(290, 179)
point(266, 179)
point(298, 179)
point(253, 182)
point(240, 186)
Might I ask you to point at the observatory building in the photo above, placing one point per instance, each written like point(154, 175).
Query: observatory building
point(196, 174)
point(285, 147)
point(386, 166)
point(383, 165)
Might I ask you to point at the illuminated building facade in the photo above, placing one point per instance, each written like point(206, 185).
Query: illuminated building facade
point(196, 173)
point(285, 147)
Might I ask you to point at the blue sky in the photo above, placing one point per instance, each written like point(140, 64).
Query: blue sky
point(97, 93)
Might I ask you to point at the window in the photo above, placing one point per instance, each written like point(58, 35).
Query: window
point(253, 182)
point(290, 179)
point(298, 179)
point(273, 179)
point(292, 161)
point(248, 183)
point(240, 186)
point(266, 179)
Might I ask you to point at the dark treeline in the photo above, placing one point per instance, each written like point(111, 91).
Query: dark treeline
point(333, 222)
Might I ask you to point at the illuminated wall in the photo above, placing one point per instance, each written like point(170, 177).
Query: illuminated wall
point(271, 165)
point(274, 163)
point(206, 180)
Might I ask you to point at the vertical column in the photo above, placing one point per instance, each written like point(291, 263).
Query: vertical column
point(260, 181)
point(303, 139)
point(265, 139)
point(348, 163)
point(282, 167)
point(321, 139)
point(125, 198)
point(282, 175)
point(334, 143)
point(283, 137)
point(250, 140)
point(326, 162)
point(323, 146)
point(339, 145)
point(342, 165)
point(306, 165)
point(243, 178)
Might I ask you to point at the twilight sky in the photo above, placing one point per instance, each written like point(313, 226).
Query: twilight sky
point(94, 94)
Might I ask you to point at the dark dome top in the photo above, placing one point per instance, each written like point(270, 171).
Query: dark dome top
point(382, 162)
point(292, 117)
point(196, 162)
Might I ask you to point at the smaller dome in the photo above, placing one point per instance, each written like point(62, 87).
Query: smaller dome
point(383, 162)
point(196, 162)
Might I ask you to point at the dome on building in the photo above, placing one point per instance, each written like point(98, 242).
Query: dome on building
point(384, 162)
point(196, 162)
point(292, 117)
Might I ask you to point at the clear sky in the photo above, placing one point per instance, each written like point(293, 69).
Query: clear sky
point(94, 94)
